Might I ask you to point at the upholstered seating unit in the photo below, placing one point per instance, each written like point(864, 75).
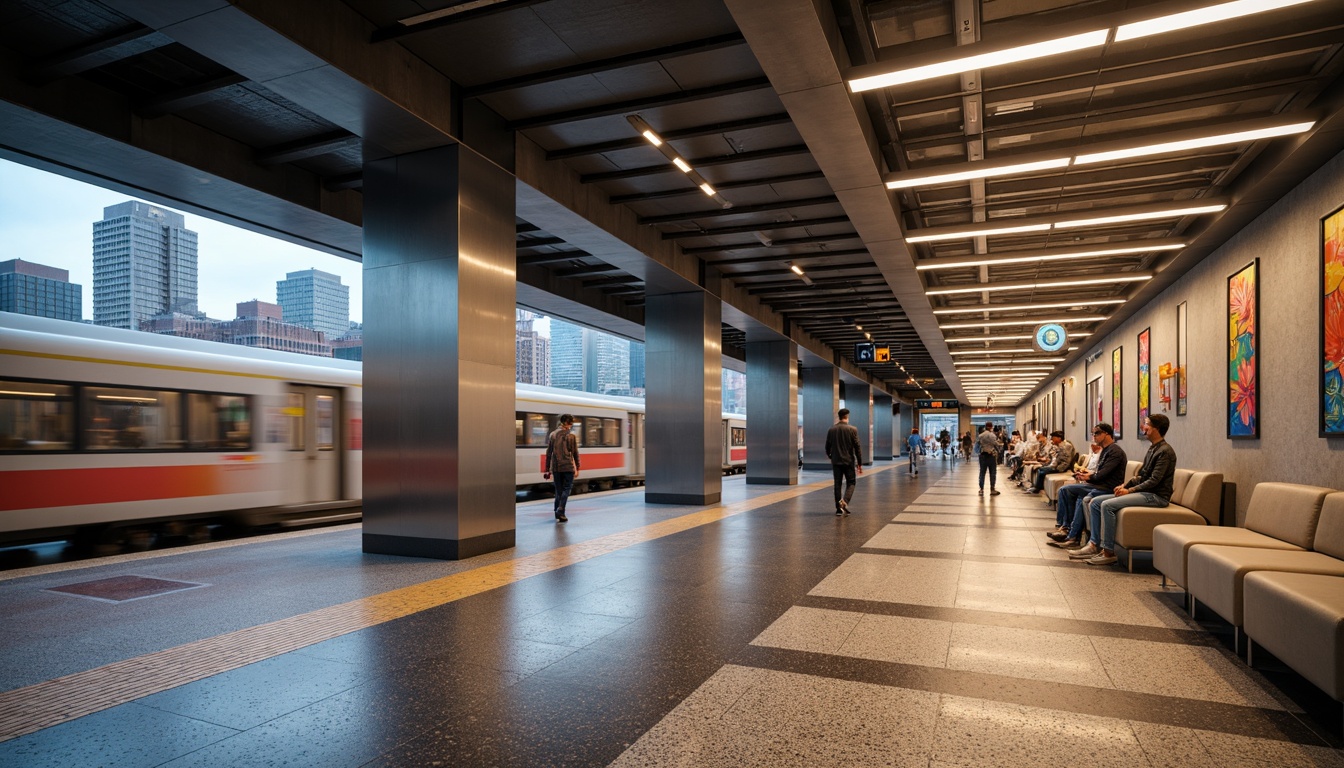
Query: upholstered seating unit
point(1217, 573)
point(1299, 618)
point(1280, 516)
point(1196, 500)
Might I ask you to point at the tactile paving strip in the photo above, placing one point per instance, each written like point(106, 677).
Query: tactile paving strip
point(29, 709)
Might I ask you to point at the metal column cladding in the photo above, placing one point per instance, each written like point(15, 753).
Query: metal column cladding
point(439, 288)
point(772, 412)
point(821, 399)
point(683, 342)
point(883, 440)
point(859, 401)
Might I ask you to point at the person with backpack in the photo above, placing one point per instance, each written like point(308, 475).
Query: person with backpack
point(562, 463)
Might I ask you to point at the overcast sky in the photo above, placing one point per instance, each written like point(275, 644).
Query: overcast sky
point(48, 219)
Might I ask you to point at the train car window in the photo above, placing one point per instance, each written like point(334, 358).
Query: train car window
point(592, 431)
point(532, 429)
point(611, 432)
point(220, 422)
point(739, 436)
point(36, 417)
point(326, 422)
point(118, 419)
point(294, 418)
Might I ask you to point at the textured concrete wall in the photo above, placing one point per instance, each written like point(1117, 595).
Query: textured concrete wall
point(1285, 239)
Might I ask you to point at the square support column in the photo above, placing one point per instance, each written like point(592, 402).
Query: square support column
point(859, 401)
point(683, 347)
point(772, 412)
point(882, 427)
point(905, 421)
point(439, 347)
point(821, 399)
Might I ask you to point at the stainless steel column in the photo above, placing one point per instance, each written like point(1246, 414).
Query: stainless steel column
point(859, 401)
point(439, 346)
point(683, 343)
point(821, 399)
point(772, 412)
point(882, 426)
point(904, 423)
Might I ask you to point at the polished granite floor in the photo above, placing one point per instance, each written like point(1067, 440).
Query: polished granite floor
point(931, 627)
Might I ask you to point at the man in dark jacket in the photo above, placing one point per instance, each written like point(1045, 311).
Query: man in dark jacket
point(1071, 506)
point(1152, 487)
point(562, 463)
point(842, 448)
point(1062, 461)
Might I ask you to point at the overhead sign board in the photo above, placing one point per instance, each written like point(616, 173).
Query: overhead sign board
point(1050, 337)
point(931, 404)
point(883, 355)
point(865, 352)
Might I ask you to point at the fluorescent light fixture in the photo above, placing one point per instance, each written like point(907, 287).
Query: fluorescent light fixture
point(682, 165)
point(1203, 141)
point(1207, 15)
point(1057, 255)
point(982, 60)
point(1023, 307)
point(1029, 361)
point(978, 233)
point(797, 270)
point(992, 351)
point(977, 173)
point(708, 190)
point(1062, 221)
point(653, 138)
point(1036, 285)
point(1075, 334)
point(27, 394)
point(1164, 214)
point(128, 399)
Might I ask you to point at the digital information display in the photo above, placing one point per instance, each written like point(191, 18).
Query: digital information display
point(929, 404)
point(865, 352)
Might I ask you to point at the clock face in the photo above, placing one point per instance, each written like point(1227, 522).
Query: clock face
point(1051, 337)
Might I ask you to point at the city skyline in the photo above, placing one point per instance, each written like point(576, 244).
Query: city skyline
point(48, 219)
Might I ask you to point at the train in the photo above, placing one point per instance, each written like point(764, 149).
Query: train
point(106, 432)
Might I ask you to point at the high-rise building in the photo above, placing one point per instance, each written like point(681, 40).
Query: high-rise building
point(144, 264)
point(566, 355)
point(315, 299)
point(534, 351)
point(36, 289)
point(637, 368)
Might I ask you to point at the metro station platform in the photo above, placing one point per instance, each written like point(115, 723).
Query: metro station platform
point(931, 627)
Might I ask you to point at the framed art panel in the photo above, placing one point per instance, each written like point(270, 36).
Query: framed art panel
point(1181, 346)
point(1145, 375)
point(1117, 390)
point(1243, 352)
point(1332, 324)
point(1096, 412)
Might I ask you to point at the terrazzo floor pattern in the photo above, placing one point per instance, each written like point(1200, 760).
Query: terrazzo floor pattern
point(957, 637)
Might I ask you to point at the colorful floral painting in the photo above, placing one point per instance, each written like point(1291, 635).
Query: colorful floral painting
point(1145, 375)
point(1181, 345)
point(1332, 325)
point(1117, 389)
point(1243, 317)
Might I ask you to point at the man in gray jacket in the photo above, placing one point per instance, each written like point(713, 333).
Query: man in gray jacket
point(1061, 462)
point(562, 461)
point(1152, 487)
point(842, 448)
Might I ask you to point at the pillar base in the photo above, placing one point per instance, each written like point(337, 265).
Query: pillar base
point(771, 480)
point(439, 549)
point(695, 499)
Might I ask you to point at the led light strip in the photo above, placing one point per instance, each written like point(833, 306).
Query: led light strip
point(1037, 285)
point(1116, 216)
point(678, 161)
point(1034, 256)
point(1023, 307)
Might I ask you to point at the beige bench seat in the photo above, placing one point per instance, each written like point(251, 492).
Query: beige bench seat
point(1196, 499)
point(1299, 618)
point(1217, 574)
point(1280, 516)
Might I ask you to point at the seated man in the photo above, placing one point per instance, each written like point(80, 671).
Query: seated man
point(1071, 508)
point(1030, 461)
point(1061, 462)
point(1152, 487)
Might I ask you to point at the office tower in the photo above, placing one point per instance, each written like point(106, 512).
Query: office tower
point(315, 299)
point(607, 363)
point(36, 289)
point(566, 355)
point(637, 368)
point(144, 264)
point(533, 352)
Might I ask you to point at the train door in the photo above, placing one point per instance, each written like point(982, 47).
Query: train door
point(317, 436)
point(636, 443)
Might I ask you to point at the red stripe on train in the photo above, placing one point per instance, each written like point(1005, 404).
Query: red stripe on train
point(737, 454)
point(38, 488)
point(592, 461)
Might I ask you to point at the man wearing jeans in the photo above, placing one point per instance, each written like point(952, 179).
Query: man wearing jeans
point(914, 443)
point(562, 462)
point(1152, 487)
point(1071, 507)
point(842, 448)
point(989, 459)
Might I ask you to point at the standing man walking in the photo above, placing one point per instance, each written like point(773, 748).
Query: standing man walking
point(842, 448)
point(914, 442)
point(562, 463)
point(989, 459)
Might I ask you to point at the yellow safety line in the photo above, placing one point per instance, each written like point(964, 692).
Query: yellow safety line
point(42, 705)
